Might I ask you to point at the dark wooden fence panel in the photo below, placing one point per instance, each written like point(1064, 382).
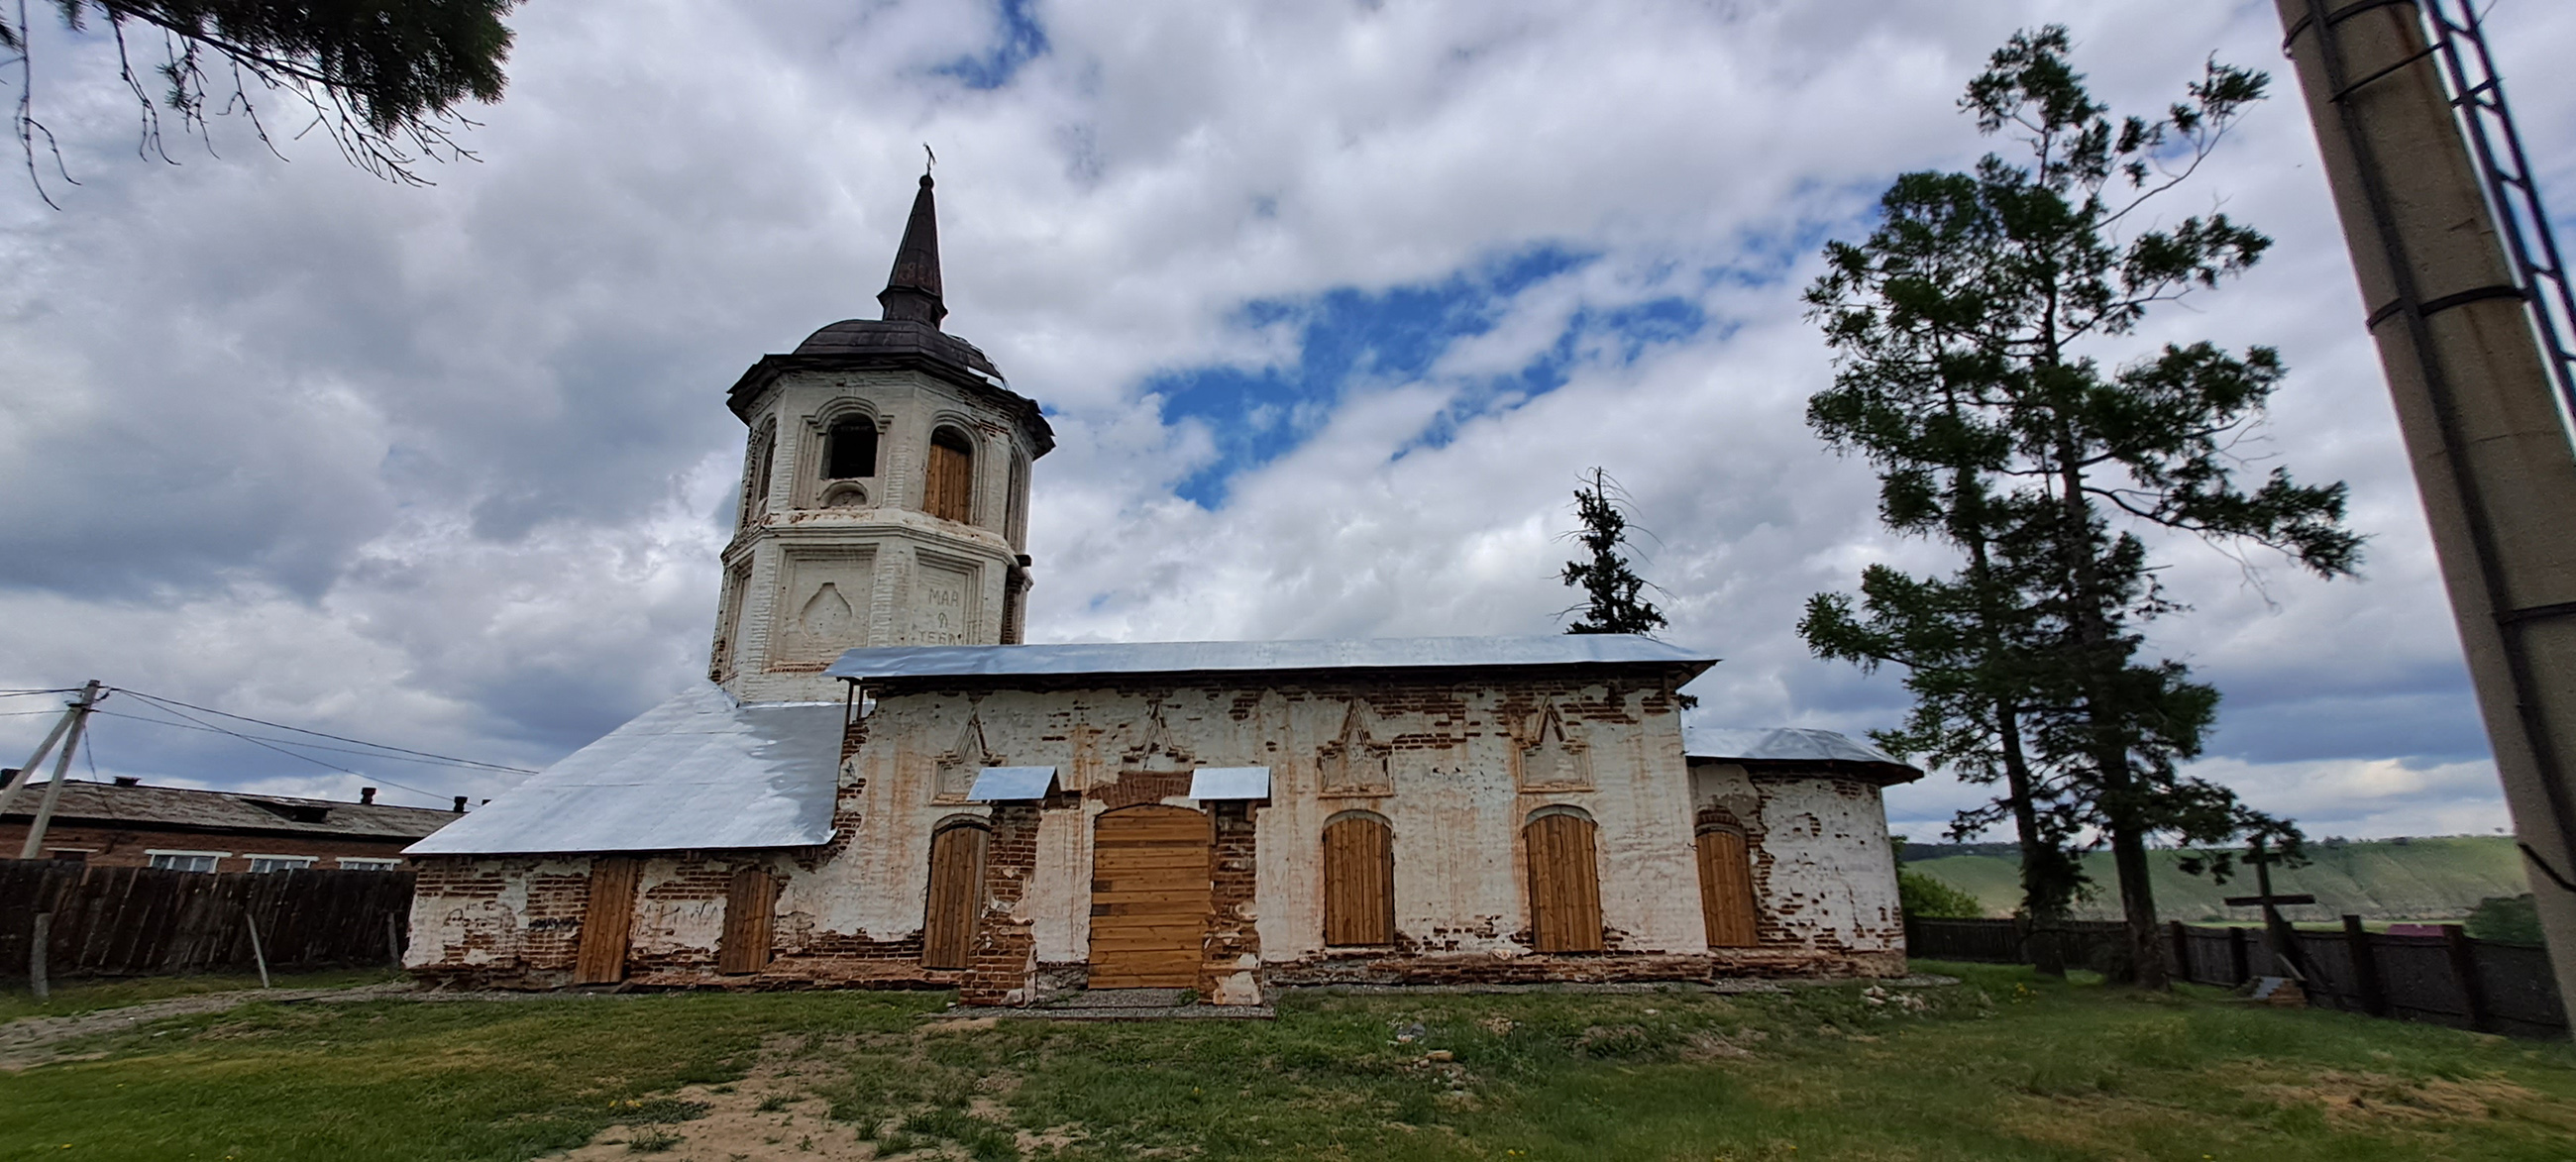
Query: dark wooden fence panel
point(2447, 979)
point(1986, 941)
point(2215, 956)
point(135, 921)
point(2520, 994)
point(2416, 971)
point(2081, 943)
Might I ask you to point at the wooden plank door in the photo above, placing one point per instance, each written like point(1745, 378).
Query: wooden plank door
point(1149, 897)
point(956, 899)
point(749, 902)
point(1359, 881)
point(1564, 884)
point(1726, 888)
point(607, 920)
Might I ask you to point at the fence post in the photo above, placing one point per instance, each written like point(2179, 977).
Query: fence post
point(2365, 967)
point(36, 982)
point(255, 953)
point(2464, 969)
point(2181, 955)
point(2236, 958)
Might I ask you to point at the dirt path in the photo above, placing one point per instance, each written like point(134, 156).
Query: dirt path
point(768, 1116)
point(31, 1041)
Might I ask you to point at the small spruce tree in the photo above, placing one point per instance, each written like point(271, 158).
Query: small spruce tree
point(1614, 595)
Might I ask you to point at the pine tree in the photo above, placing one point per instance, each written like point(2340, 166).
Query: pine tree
point(381, 81)
point(1613, 592)
point(1965, 331)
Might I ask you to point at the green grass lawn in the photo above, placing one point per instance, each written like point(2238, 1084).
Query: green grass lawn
point(85, 996)
point(2001, 1067)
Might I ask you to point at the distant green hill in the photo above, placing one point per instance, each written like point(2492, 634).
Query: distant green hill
point(2380, 879)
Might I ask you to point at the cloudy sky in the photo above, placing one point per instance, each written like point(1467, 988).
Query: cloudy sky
point(1330, 304)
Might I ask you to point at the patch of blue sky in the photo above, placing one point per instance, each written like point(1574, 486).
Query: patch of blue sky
point(1255, 414)
point(1021, 39)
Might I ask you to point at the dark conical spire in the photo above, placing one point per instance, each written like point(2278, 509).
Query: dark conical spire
point(912, 288)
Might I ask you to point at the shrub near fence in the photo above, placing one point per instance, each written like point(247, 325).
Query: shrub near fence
point(141, 921)
point(2449, 979)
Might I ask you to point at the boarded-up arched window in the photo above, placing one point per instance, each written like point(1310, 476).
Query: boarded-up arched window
point(850, 452)
point(1359, 880)
point(956, 899)
point(755, 474)
point(948, 490)
point(1726, 887)
point(607, 920)
point(743, 945)
point(1016, 525)
point(1564, 880)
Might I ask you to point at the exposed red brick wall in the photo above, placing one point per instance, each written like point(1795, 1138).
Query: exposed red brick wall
point(1005, 963)
point(1234, 872)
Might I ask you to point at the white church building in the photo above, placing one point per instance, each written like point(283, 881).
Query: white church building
point(880, 786)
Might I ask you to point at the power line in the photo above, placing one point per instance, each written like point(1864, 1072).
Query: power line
point(282, 750)
point(305, 745)
point(318, 734)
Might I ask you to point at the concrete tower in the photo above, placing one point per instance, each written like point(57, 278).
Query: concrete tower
point(885, 494)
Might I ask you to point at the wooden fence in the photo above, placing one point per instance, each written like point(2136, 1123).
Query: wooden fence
point(2102, 946)
point(140, 921)
point(2448, 979)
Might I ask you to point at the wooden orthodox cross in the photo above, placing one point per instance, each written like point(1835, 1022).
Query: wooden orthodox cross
point(2278, 938)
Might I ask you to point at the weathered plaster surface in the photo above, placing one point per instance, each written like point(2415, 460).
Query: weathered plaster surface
point(907, 578)
point(1455, 764)
point(1822, 864)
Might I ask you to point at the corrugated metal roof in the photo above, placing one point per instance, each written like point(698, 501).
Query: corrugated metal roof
point(146, 806)
point(1785, 745)
point(699, 771)
point(1086, 658)
point(1230, 783)
point(1004, 784)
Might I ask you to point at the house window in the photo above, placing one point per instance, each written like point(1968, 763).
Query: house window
point(355, 863)
point(68, 854)
point(277, 863)
point(948, 490)
point(1726, 887)
point(188, 861)
point(1564, 880)
point(1359, 880)
point(850, 452)
point(956, 898)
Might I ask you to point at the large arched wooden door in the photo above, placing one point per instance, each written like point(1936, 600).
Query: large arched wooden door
point(1726, 888)
point(1149, 897)
point(956, 898)
point(1359, 880)
point(1564, 881)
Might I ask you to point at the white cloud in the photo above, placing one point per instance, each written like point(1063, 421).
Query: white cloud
point(446, 466)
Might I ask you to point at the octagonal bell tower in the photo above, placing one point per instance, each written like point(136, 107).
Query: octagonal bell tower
point(885, 493)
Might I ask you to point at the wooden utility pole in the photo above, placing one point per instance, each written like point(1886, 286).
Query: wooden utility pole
point(27, 770)
point(2455, 303)
point(75, 718)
